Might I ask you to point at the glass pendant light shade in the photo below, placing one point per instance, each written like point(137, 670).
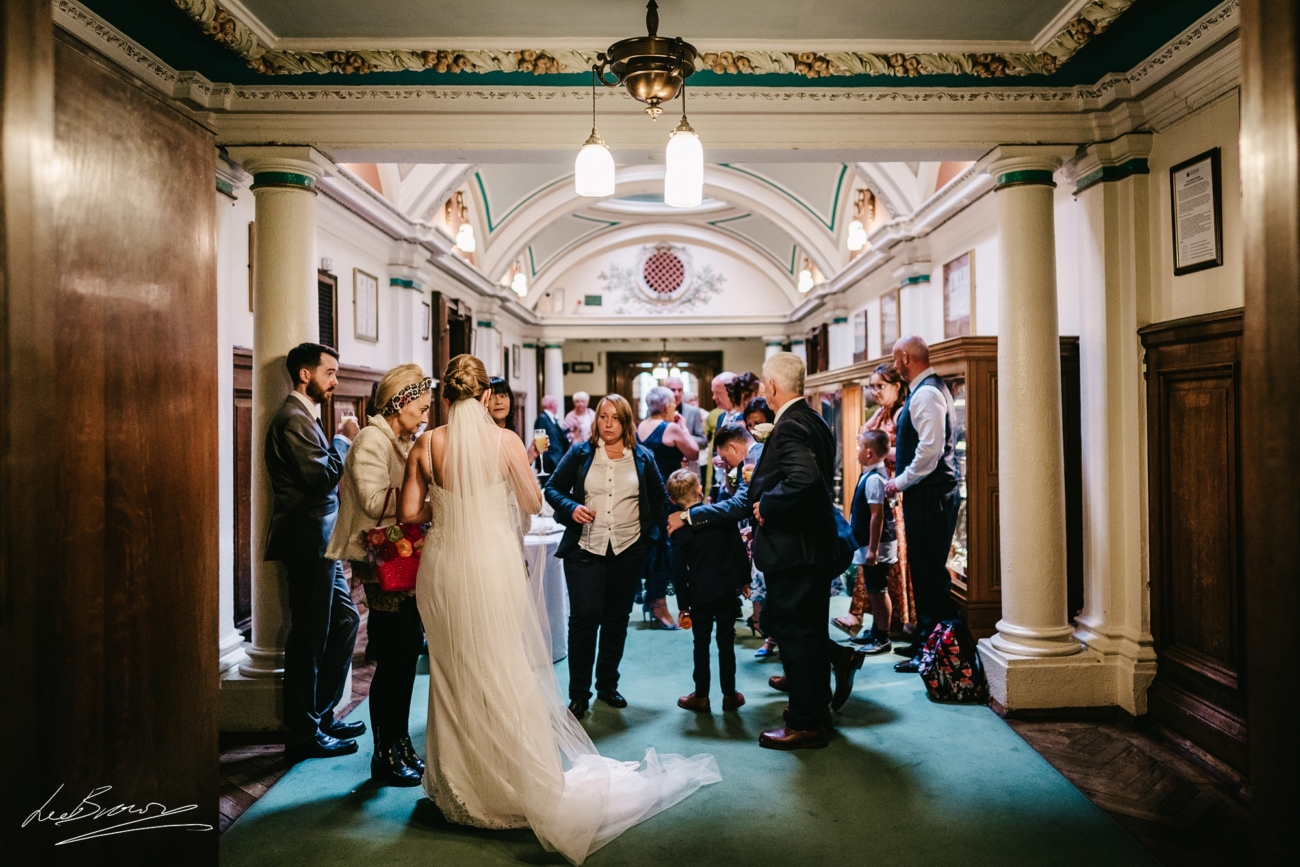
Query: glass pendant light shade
point(857, 238)
point(684, 168)
point(805, 280)
point(593, 170)
point(465, 238)
point(520, 284)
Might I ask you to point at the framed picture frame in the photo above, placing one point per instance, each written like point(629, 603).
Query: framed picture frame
point(428, 319)
point(1196, 208)
point(889, 324)
point(365, 306)
point(959, 296)
point(516, 360)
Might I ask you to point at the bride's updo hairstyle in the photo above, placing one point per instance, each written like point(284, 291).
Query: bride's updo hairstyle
point(465, 377)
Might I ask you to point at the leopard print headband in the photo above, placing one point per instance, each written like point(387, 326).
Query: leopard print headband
point(406, 395)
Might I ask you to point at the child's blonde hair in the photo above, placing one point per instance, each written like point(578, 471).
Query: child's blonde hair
point(683, 487)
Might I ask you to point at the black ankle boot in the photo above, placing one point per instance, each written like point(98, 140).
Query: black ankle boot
point(387, 768)
point(410, 757)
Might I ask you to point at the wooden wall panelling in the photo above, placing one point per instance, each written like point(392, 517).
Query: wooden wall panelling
point(1194, 466)
point(243, 488)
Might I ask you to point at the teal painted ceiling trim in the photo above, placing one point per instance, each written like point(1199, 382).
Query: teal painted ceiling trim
point(835, 202)
point(492, 225)
point(794, 248)
point(535, 269)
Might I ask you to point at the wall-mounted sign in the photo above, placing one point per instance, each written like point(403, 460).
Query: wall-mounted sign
point(582, 367)
point(365, 305)
point(1194, 196)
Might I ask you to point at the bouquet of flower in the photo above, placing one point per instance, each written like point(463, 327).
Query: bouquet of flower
point(395, 553)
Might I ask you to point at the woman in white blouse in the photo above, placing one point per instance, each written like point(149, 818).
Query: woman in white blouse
point(368, 497)
point(610, 498)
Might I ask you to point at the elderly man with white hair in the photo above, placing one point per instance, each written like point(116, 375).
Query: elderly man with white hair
point(579, 420)
point(798, 547)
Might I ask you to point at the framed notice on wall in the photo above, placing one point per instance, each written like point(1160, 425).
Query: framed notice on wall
point(428, 318)
point(888, 321)
point(1196, 202)
point(958, 295)
point(365, 305)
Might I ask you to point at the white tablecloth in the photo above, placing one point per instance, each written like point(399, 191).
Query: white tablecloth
point(552, 598)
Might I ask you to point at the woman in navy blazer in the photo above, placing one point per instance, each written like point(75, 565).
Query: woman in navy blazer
point(611, 517)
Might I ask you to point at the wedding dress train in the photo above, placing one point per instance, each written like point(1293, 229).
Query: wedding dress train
point(503, 749)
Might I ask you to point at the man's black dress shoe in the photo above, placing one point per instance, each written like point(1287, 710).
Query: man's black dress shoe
point(908, 650)
point(321, 746)
point(343, 730)
point(611, 698)
point(845, 666)
point(578, 707)
point(908, 666)
point(409, 756)
point(388, 769)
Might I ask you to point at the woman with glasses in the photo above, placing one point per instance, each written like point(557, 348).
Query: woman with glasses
point(888, 391)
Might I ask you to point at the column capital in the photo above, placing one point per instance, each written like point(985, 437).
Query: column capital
point(1022, 165)
point(295, 167)
point(552, 342)
point(775, 340)
point(1110, 161)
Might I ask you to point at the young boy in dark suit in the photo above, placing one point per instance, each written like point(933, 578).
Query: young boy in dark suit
point(710, 571)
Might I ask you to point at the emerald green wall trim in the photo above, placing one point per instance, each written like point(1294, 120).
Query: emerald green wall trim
point(530, 346)
point(838, 320)
point(494, 224)
point(484, 323)
point(284, 179)
point(403, 282)
point(798, 342)
point(553, 346)
point(225, 187)
point(774, 343)
point(1024, 178)
point(794, 248)
point(914, 280)
point(835, 202)
point(1102, 174)
point(535, 268)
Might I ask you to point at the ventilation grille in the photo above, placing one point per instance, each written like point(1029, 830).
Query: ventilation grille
point(664, 273)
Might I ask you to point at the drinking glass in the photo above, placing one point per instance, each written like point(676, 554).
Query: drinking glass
point(542, 442)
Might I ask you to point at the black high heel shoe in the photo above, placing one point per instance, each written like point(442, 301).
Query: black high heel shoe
point(388, 769)
point(754, 630)
point(410, 757)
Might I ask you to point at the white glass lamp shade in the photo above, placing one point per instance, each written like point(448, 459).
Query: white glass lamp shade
point(684, 168)
point(465, 238)
point(593, 170)
point(520, 284)
point(805, 280)
point(675, 372)
point(857, 238)
point(660, 372)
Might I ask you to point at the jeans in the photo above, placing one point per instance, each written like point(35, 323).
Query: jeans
point(601, 589)
point(323, 625)
point(721, 612)
point(930, 516)
point(396, 637)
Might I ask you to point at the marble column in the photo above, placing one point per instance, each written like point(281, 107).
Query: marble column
point(553, 371)
point(798, 348)
point(1112, 189)
point(1031, 476)
point(284, 315)
point(840, 338)
point(772, 345)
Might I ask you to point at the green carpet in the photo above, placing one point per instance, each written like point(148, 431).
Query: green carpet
point(904, 782)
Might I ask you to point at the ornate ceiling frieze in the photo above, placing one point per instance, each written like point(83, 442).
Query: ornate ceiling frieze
point(222, 25)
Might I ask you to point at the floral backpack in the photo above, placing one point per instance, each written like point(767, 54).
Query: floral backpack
point(951, 667)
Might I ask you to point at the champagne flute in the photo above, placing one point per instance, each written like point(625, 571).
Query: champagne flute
point(541, 442)
point(748, 470)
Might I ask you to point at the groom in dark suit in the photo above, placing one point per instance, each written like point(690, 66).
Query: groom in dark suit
point(798, 548)
point(305, 470)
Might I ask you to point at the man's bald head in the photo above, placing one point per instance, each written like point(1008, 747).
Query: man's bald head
point(911, 356)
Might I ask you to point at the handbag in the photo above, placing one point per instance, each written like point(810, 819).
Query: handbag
point(395, 551)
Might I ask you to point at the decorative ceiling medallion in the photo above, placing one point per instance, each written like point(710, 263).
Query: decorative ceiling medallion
point(1094, 18)
point(664, 276)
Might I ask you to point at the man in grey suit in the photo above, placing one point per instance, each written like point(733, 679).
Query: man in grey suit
point(692, 417)
point(305, 470)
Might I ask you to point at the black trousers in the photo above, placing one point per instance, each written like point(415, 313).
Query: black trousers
point(720, 613)
point(795, 615)
point(930, 516)
point(318, 649)
point(396, 637)
point(601, 590)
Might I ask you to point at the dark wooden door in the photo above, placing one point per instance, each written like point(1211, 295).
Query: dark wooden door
point(243, 558)
point(1193, 428)
point(623, 367)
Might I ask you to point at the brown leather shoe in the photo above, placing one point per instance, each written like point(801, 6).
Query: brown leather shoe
point(846, 666)
point(779, 682)
point(695, 702)
point(828, 719)
point(733, 701)
point(792, 739)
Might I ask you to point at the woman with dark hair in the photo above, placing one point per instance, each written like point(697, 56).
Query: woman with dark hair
point(501, 406)
point(744, 388)
point(610, 498)
point(889, 392)
point(758, 412)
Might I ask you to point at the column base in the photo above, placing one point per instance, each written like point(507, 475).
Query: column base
point(1021, 682)
point(256, 704)
point(1133, 661)
point(230, 651)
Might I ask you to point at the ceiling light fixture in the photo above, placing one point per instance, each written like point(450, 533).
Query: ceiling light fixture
point(520, 283)
point(464, 232)
point(684, 165)
point(806, 282)
point(652, 68)
point(857, 236)
point(593, 171)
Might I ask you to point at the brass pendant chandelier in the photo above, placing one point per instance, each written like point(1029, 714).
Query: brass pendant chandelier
point(653, 68)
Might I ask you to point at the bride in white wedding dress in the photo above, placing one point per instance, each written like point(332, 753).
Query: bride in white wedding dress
point(503, 749)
